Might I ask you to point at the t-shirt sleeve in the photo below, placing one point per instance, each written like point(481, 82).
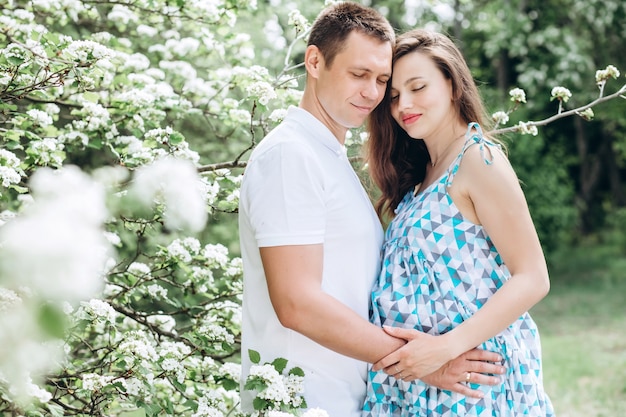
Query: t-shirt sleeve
point(285, 196)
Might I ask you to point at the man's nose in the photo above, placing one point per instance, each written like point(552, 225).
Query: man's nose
point(371, 90)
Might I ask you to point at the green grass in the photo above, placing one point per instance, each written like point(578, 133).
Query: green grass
point(582, 323)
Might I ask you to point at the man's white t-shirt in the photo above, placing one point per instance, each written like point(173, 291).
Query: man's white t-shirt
point(299, 188)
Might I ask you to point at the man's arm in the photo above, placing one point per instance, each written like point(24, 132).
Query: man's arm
point(294, 279)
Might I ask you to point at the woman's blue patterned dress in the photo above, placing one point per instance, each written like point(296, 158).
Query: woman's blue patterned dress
point(438, 269)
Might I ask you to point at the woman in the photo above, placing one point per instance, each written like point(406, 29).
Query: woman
point(462, 262)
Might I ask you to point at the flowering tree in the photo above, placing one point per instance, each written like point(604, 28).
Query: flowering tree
point(124, 127)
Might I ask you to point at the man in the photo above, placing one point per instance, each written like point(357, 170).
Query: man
point(309, 236)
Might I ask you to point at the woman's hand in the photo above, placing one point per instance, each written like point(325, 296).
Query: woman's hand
point(475, 366)
point(422, 355)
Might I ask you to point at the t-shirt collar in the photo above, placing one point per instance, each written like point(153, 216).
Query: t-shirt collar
point(316, 129)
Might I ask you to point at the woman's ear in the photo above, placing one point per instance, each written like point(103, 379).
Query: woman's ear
point(313, 60)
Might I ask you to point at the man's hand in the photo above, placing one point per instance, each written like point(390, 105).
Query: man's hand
point(473, 366)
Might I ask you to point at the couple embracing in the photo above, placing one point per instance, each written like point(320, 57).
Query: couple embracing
point(441, 311)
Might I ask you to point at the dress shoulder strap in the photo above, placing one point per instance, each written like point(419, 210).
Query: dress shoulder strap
point(473, 136)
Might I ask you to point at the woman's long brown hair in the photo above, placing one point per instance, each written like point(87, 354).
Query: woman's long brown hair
point(397, 162)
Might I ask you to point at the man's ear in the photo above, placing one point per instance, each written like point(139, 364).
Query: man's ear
point(313, 60)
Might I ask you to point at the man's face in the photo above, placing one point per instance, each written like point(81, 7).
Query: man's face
point(355, 82)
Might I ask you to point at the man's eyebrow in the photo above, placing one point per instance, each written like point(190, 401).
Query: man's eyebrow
point(364, 69)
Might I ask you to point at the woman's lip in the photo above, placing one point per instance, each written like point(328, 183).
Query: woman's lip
point(410, 118)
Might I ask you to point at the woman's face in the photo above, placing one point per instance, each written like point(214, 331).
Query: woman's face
point(421, 97)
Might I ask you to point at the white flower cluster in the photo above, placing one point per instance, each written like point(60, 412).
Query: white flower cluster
point(93, 117)
point(40, 117)
point(527, 128)
point(311, 412)
point(162, 321)
point(263, 91)
point(122, 15)
point(10, 171)
point(605, 74)
point(207, 409)
point(174, 183)
point(157, 291)
point(216, 255)
point(137, 344)
point(62, 230)
point(99, 309)
point(561, 94)
point(139, 269)
point(216, 333)
point(172, 355)
point(231, 370)
point(47, 151)
point(83, 51)
point(500, 117)
point(275, 389)
point(8, 299)
point(183, 249)
point(298, 21)
point(95, 382)
point(518, 95)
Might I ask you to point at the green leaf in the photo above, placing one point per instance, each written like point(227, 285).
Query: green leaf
point(176, 138)
point(259, 403)
point(229, 384)
point(296, 371)
point(279, 364)
point(139, 412)
point(179, 386)
point(255, 384)
point(52, 320)
point(254, 356)
point(91, 96)
point(55, 410)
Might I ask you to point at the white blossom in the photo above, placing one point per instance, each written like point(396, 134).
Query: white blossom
point(176, 184)
point(298, 21)
point(605, 74)
point(62, 230)
point(275, 390)
point(95, 382)
point(527, 129)
point(315, 412)
point(231, 370)
point(518, 95)
point(9, 176)
point(216, 333)
point(148, 31)
point(136, 345)
point(560, 93)
point(500, 117)
point(139, 269)
point(216, 255)
point(85, 50)
point(263, 90)
point(164, 322)
point(278, 115)
point(157, 291)
point(8, 299)
point(122, 14)
point(100, 309)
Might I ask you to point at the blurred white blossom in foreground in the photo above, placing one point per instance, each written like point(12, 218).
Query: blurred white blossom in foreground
point(54, 251)
point(176, 184)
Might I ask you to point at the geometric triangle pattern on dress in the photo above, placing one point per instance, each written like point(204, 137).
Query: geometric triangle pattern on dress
point(438, 269)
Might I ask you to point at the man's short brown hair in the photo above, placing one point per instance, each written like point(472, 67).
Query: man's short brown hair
point(335, 23)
